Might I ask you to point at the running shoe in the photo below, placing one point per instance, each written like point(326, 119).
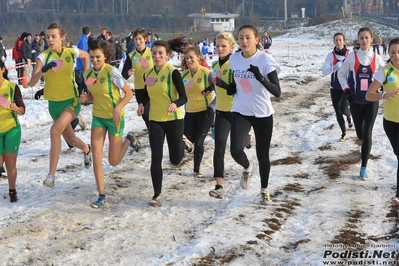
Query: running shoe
point(246, 176)
point(100, 202)
point(198, 174)
point(265, 197)
point(134, 141)
point(87, 158)
point(343, 137)
point(189, 147)
point(49, 181)
point(217, 192)
point(363, 173)
point(157, 199)
point(69, 150)
point(395, 200)
point(350, 121)
point(3, 172)
point(13, 196)
point(82, 123)
point(250, 142)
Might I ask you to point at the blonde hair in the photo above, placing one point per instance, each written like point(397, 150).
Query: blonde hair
point(226, 36)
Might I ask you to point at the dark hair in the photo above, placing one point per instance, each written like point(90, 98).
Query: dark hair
point(106, 47)
point(56, 25)
point(392, 42)
point(23, 35)
point(85, 30)
point(339, 34)
point(196, 51)
point(365, 29)
point(141, 31)
point(249, 26)
point(5, 73)
point(175, 44)
point(178, 44)
point(254, 30)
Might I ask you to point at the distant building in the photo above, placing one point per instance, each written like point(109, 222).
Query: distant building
point(217, 22)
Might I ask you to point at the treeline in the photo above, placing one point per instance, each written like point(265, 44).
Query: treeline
point(121, 16)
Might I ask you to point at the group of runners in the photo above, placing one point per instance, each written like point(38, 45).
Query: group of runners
point(234, 95)
point(359, 79)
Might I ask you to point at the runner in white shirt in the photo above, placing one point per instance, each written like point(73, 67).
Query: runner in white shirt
point(255, 76)
point(355, 77)
point(331, 66)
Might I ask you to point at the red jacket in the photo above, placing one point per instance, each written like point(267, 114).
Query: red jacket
point(17, 49)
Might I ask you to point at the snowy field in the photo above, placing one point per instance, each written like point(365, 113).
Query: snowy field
point(321, 212)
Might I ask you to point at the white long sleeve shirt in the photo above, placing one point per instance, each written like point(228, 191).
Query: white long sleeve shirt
point(329, 63)
point(365, 58)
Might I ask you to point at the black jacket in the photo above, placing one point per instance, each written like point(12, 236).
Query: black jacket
point(26, 50)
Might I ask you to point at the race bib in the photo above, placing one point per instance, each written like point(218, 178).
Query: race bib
point(246, 85)
point(58, 66)
point(4, 102)
point(364, 84)
point(91, 81)
point(190, 84)
point(143, 63)
point(150, 81)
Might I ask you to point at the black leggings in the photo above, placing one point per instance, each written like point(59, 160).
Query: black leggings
point(20, 69)
point(340, 104)
point(196, 127)
point(146, 116)
point(392, 131)
point(222, 130)
point(74, 123)
point(364, 117)
point(263, 129)
point(174, 136)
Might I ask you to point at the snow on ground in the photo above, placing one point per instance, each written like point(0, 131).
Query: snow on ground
point(321, 213)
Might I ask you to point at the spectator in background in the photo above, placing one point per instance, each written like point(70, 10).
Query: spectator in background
point(266, 41)
point(17, 55)
point(376, 42)
point(148, 43)
point(124, 49)
point(211, 49)
point(118, 52)
point(204, 49)
point(27, 54)
point(108, 38)
point(44, 38)
point(37, 47)
point(384, 47)
point(79, 68)
point(3, 54)
point(103, 35)
point(130, 43)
